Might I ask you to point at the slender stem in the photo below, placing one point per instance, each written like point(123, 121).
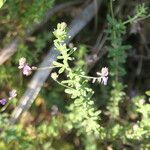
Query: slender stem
point(111, 8)
point(63, 84)
point(114, 34)
point(135, 18)
point(88, 77)
point(45, 68)
point(4, 108)
point(130, 20)
point(112, 15)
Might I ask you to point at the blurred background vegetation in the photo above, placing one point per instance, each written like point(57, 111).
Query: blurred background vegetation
point(107, 40)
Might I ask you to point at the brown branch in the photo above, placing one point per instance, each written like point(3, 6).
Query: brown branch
point(41, 75)
point(8, 51)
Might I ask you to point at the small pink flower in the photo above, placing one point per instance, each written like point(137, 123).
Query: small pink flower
point(104, 71)
point(26, 69)
point(103, 76)
point(104, 80)
point(3, 101)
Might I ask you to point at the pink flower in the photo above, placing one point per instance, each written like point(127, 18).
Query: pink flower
point(12, 94)
point(104, 80)
point(104, 71)
point(26, 69)
point(103, 76)
point(3, 101)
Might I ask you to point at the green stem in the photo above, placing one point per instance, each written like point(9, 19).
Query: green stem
point(112, 15)
point(111, 8)
point(4, 108)
point(45, 68)
point(130, 20)
point(63, 84)
point(135, 18)
point(88, 77)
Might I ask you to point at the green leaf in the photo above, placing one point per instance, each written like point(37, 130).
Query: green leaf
point(61, 70)
point(147, 93)
point(2, 3)
point(55, 63)
point(73, 92)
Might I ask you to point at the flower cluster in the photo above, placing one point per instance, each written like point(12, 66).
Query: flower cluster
point(23, 65)
point(102, 76)
point(3, 101)
point(54, 75)
point(12, 94)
